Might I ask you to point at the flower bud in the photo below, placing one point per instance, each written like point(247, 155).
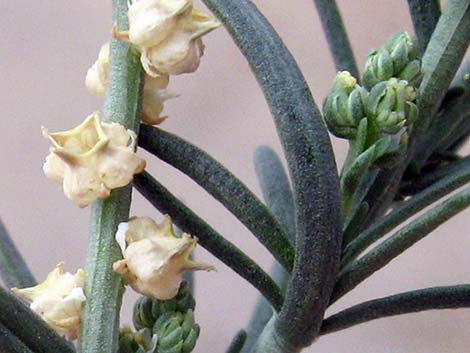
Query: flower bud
point(58, 300)
point(397, 58)
point(181, 51)
point(92, 159)
point(176, 332)
point(392, 104)
point(344, 106)
point(154, 258)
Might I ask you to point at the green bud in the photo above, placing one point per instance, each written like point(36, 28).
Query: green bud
point(142, 313)
point(344, 107)
point(176, 332)
point(397, 58)
point(127, 343)
point(392, 105)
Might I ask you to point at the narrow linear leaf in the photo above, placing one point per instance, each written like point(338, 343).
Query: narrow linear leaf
point(221, 248)
point(451, 297)
point(104, 288)
point(424, 15)
point(336, 36)
point(355, 225)
point(9, 343)
point(278, 197)
point(13, 268)
point(406, 211)
point(399, 242)
point(29, 328)
point(311, 164)
point(237, 343)
point(223, 186)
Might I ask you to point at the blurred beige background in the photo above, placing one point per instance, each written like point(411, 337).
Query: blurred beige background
point(47, 47)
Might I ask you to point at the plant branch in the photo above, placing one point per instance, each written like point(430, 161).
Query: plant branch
point(13, 268)
point(9, 343)
point(336, 36)
point(311, 164)
point(424, 15)
point(237, 343)
point(441, 60)
point(405, 211)
point(225, 251)
point(29, 328)
point(223, 186)
point(402, 240)
point(451, 297)
point(104, 288)
point(278, 197)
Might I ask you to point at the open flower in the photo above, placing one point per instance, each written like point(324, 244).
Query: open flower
point(58, 300)
point(92, 159)
point(168, 33)
point(154, 257)
point(154, 91)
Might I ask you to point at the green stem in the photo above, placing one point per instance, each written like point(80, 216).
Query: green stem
point(336, 36)
point(271, 341)
point(312, 168)
point(223, 186)
point(29, 328)
point(451, 297)
point(225, 251)
point(278, 197)
point(9, 343)
point(237, 343)
point(441, 60)
point(13, 268)
point(404, 212)
point(104, 288)
point(402, 240)
point(422, 182)
point(424, 14)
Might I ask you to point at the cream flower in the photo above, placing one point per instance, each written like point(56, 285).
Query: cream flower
point(97, 76)
point(154, 258)
point(154, 91)
point(181, 51)
point(92, 159)
point(168, 33)
point(58, 300)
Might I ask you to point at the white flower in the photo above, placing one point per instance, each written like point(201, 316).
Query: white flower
point(154, 258)
point(154, 92)
point(92, 159)
point(97, 76)
point(58, 300)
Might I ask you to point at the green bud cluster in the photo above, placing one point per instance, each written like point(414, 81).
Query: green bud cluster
point(397, 58)
point(164, 326)
point(344, 106)
point(392, 103)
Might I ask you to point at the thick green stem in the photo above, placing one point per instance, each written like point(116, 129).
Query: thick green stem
point(399, 242)
point(424, 14)
point(104, 288)
point(237, 343)
point(451, 297)
point(189, 222)
point(9, 343)
point(337, 37)
point(278, 197)
point(29, 328)
point(404, 212)
point(223, 186)
point(13, 268)
point(440, 62)
point(312, 168)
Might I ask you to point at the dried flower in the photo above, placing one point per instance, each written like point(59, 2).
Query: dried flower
point(92, 159)
point(154, 258)
point(154, 91)
point(168, 33)
point(58, 300)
